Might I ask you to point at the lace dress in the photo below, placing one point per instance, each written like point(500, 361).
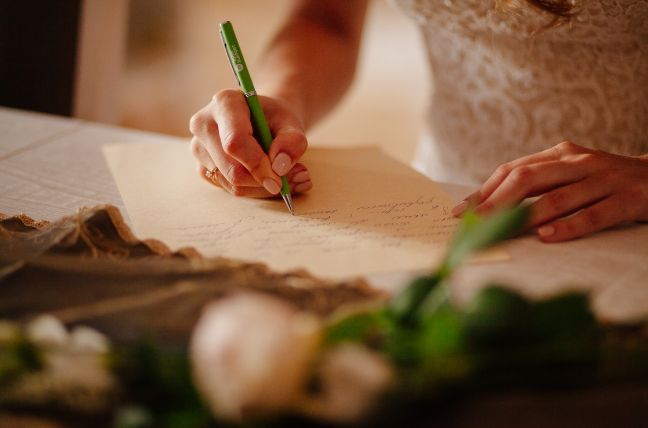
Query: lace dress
point(500, 93)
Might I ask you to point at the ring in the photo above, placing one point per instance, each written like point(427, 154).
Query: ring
point(211, 173)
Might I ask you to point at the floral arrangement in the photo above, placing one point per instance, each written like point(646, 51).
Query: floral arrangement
point(256, 359)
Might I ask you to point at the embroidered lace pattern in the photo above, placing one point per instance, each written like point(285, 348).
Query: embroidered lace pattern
point(501, 92)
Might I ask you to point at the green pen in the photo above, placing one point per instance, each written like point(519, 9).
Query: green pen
point(259, 124)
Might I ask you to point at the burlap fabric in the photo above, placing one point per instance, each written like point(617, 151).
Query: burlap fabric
point(90, 269)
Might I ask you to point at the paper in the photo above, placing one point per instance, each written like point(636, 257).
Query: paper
point(366, 214)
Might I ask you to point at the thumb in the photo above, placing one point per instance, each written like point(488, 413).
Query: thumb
point(287, 148)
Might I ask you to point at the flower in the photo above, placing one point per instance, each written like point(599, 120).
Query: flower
point(351, 377)
point(87, 340)
point(74, 374)
point(251, 354)
point(47, 331)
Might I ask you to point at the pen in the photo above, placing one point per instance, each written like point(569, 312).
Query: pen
point(259, 124)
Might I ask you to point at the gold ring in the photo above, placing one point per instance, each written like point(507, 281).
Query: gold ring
point(211, 174)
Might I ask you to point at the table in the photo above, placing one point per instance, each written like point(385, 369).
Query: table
point(50, 166)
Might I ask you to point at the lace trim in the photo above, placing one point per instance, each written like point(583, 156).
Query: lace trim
point(500, 94)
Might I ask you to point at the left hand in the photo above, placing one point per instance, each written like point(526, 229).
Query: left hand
point(581, 190)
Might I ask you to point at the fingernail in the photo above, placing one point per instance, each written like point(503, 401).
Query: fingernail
point(546, 231)
point(459, 209)
point(289, 129)
point(302, 187)
point(281, 164)
point(271, 186)
point(300, 177)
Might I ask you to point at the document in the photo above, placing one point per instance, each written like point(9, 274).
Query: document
point(366, 213)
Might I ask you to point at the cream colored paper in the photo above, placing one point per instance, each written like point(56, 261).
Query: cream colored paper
point(366, 213)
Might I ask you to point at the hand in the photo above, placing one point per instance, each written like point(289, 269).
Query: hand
point(581, 190)
point(226, 150)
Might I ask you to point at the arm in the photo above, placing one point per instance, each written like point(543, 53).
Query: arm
point(312, 60)
point(307, 68)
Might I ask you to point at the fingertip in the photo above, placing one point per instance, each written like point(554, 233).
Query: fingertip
point(297, 168)
point(549, 233)
point(547, 230)
point(460, 208)
point(271, 186)
point(303, 187)
point(282, 163)
point(298, 174)
point(471, 201)
point(301, 177)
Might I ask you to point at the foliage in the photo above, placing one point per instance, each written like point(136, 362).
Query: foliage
point(498, 337)
point(474, 233)
point(499, 333)
point(159, 381)
point(17, 357)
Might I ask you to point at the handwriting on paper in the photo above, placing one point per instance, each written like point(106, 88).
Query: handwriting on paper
point(381, 225)
point(366, 214)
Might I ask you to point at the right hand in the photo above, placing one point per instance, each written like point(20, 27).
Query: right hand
point(223, 143)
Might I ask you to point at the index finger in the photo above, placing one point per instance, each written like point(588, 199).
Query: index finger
point(236, 135)
point(501, 173)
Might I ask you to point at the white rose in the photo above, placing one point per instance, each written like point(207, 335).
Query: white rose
point(73, 374)
point(352, 377)
point(88, 340)
point(250, 354)
point(47, 331)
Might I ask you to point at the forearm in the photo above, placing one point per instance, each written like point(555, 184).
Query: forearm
point(312, 60)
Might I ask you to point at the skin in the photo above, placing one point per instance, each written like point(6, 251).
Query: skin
point(300, 84)
point(579, 191)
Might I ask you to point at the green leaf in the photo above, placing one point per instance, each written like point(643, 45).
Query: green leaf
point(474, 234)
point(513, 338)
point(430, 352)
point(497, 316)
point(18, 357)
point(477, 233)
point(358, 327)
point(159, 378)
point(442, 332)
point(565, 316)
point(404, 306)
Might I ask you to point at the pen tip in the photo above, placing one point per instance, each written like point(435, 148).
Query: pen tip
point(288, 200)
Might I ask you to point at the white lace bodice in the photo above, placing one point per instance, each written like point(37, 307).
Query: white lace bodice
point(500, 93)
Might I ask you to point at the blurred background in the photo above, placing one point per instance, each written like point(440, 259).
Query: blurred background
point(150, 64)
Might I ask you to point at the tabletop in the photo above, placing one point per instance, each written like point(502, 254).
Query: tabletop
point(50, 166)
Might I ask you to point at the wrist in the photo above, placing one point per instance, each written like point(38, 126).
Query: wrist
point(287, 91)
point(288, 102)
point(292, 101)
